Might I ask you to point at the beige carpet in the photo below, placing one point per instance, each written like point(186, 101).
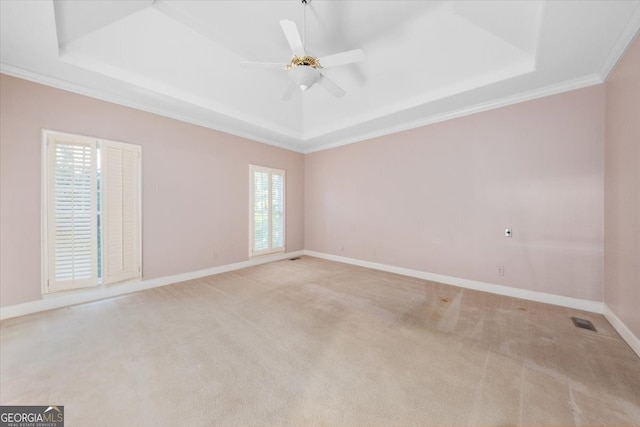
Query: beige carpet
point(311, 342)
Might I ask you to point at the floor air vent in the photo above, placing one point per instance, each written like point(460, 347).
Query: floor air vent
point(583, 323)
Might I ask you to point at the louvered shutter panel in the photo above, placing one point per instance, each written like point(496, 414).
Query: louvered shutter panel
point(72, 213)
point(120, 211)
point(260, 211)
point(277, 210)
point(267, 210)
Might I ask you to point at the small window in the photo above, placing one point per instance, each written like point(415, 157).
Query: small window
point(267, 215)
point(91, 211)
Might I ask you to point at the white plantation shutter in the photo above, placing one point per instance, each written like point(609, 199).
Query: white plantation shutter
point(261, 211)
point(72, 213)
point(267, 210)
point(91, 211)
point(120, 211)
point(277, 210)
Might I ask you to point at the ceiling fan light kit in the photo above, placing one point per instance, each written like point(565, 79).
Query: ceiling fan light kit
point(305, 76)
point(306, 70)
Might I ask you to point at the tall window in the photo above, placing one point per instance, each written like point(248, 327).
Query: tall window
point(91, 211)
point(267, 210)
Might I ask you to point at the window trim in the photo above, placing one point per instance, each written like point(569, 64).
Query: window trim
point(271, 171)
point(44, 214)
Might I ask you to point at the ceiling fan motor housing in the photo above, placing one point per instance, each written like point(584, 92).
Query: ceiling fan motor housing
point(307, 60)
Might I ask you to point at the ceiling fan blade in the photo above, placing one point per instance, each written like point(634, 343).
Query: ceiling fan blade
point(289, 91)
point(342, 58)
point(270, 65)
point(330, 86)
point(292, 34)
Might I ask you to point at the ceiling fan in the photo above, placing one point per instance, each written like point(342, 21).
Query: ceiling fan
point(306, 70)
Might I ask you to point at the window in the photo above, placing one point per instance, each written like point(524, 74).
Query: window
point(267, 214)
point(91, 211)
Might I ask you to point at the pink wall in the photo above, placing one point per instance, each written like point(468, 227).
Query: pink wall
point(435, 199)
point(438, 198)
point(622, 190)
point(195, 184)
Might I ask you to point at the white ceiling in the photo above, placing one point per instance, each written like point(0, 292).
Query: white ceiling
point(426, 61)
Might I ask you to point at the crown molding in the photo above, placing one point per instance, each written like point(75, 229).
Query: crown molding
point(387, 130)
point(102, 96)
point(478, 108)
point(631, 31)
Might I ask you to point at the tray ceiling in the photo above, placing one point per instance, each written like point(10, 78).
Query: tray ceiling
point(425, 60)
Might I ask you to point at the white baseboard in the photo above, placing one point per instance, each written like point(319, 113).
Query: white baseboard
point(577, 303)
point(65, 299)
point(623, 330)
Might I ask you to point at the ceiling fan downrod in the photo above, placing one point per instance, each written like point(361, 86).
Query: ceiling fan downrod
point(304, 25)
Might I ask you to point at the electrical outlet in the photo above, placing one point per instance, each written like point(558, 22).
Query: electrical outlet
point(500, 270)
point(507, 232)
